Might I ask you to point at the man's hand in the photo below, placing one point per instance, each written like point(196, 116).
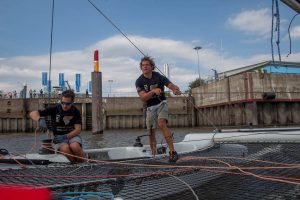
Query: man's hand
point(42, 125)
point(157, 91)
point(177, 91)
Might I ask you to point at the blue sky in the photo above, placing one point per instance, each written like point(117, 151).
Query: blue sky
point(232, 33)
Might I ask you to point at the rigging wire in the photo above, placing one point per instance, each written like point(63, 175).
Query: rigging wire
point(290, 34)
point(113, 24)
point(215, 157)
point(213, 169)
point(278, 29)
point(272, 27)
point(51, 44)
point(276, 15)
point(226, 166)
point(142, 165)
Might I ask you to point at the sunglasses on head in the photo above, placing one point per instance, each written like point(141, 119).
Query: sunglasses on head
point(66, 103)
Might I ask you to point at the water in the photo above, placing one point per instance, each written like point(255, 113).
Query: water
point(21, 143)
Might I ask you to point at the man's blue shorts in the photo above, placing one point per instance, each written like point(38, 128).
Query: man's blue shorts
point(62, 140)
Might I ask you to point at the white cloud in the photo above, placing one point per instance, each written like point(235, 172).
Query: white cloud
point(254, 22)
point(295, 32)
point(119, 61)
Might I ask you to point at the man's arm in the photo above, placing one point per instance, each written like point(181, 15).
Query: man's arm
point(145, 96)
point(175, 89)
point(35, 115)
point(75, 132)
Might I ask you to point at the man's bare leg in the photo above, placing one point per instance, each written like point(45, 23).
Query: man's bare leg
point(152, 141)
point(162, 123)
point(64, 148)
point(77, 151)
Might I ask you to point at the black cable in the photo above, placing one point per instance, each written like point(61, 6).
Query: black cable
point(115, 27)
point(112, 23)
point(290, 34)
point(107, 18)
point(51, 39)
point(272, 27)
point(278, 29)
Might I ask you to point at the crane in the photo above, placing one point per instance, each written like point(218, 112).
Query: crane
point(68, 85)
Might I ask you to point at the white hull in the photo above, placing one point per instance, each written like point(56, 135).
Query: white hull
point(125, 153)
point(258, 137)
point(191, 143)
point(197, 142)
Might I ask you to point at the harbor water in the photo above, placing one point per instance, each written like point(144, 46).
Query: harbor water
point(21, 143)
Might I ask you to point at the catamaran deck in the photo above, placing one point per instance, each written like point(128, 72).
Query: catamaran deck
point(226, 171)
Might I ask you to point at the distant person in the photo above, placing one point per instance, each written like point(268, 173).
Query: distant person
point(66, 125)
point(41, 93)
point(15, 93)
point(86, 93)
point(30, 93)
point(150, 87)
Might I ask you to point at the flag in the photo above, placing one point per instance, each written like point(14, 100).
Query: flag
point(77, 82)
point(44, 78)
point(62, 81)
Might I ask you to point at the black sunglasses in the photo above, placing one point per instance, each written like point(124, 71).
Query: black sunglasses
point(66, 103)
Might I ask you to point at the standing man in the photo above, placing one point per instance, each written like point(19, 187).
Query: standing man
point(66, 125)
point(150, 87)
point(86, 93)
point(41, 93)
point(30, 93)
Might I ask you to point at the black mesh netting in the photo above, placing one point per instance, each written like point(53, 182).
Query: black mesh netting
point(226, 171)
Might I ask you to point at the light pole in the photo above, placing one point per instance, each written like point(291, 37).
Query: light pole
point(110, 82)
point(197, 48)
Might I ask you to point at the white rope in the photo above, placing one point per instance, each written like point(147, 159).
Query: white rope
point(194, 193)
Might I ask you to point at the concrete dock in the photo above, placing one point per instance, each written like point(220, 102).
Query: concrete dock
point(118, 112)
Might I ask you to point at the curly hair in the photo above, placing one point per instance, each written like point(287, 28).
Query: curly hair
point(150, 60)
point(68, 94)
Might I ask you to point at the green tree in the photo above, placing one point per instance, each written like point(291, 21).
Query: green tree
point(167, 93)
point(196, 83)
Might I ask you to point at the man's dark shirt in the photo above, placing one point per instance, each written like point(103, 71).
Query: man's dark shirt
point(147, 84)
point(62, 122)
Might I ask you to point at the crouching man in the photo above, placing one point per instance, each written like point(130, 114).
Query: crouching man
point(66, 126)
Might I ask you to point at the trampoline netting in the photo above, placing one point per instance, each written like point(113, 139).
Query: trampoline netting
point(226, 171)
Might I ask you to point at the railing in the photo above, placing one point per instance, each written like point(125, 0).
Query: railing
point(55, 95)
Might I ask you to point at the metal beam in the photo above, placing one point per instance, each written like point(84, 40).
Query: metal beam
point(294, 4)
